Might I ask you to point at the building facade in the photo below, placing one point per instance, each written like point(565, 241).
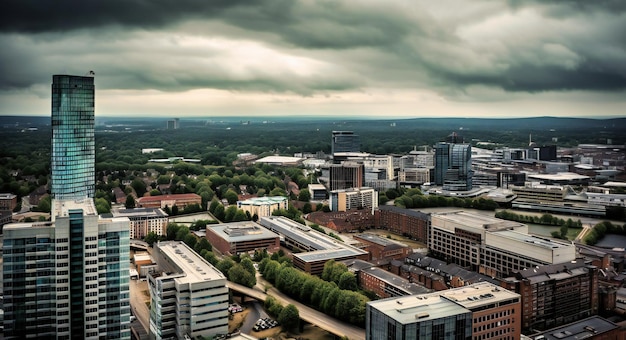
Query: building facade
point(162, 201)
point(189, 297)
point(555, 295)
point(241, 237)
point(354, 198)
point(263, 206)
point(345, 141)
point(410, 223)
point(453, 166)
point(144, 221)
point(346, 175)
point(73, 142)
point(68, 278)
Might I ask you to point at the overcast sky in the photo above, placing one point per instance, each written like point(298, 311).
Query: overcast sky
point(386, 58)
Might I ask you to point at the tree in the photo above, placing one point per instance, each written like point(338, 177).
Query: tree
point(151, 238)
point(219, 212)
point(225, 265)
point(102, 205)
point(171, 231)
point(190, 239)
point(307, 208)
point(304, 195)
point(347, 281)
point(130, 202)
point(231, 196)
point(45, 204)
point(289, 317)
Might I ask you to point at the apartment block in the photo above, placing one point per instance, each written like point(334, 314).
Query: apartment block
point(189, 297)
point(354, 198)
point(263, 206)
point(143, 221)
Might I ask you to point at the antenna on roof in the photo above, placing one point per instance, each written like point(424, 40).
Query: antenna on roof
point(91, 73)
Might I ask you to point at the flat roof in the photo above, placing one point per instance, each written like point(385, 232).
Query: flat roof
point(241, 231)
point(194, 267)
point(532, 239)
point(298, 232)
point(586, 328)
point(139, 212)
point(263, 200)
point(62, 207)
point(559, 176)
point(479, 294)
point(417, 308)
point(396, 281)
point(328, 254)
point(279, 159)
point(476, 221)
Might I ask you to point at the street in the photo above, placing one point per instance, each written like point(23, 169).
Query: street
point(138, 303)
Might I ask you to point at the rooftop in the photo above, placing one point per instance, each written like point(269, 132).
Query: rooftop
point(194, 267)
point(241, 231)
point(168, 197)
point(62, 207)
point(532, 239)
point(279, 160)
point(586, 328)
point(475, 221)
point(418, 308)
point(139, 212)
point(479, 294)
point(263, 200)
point(379, 240)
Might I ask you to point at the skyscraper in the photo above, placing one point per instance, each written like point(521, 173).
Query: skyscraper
point(345, 141)
point(73, 141)
point(68, 278)
point(453, 166)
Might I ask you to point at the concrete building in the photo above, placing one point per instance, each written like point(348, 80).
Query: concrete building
point(73, 142)
point(162, 201)
point(173, 124)
point(241, 237)
point(383, 248)
point(67, 278)
point(316, 248)
point(479, 311)
point(555, 295)
point(189, 297)
point(346, 175)
point(263, 206)
point(354, 198)
point(143, 221)
point(492, 246)
point(317, 191)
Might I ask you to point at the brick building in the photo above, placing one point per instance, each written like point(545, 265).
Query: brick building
point(411, 223)
point(382, 282)
point(161, 201)
point(383, 248)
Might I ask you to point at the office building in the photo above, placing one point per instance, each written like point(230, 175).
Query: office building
point(478, 311)
point(453, 166)
point(188, 296)
point(68, 278)
point(345, 141)
point(143, 221)
point(241, 237)
point(173, 124)
point(316, 248)
point(346, 175)
point(555, 295)
point(73, 142)
point(492, 246)
point(354, 198)
point(263, 206)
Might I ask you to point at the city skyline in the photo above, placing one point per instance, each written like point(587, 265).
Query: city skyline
point(391, 59)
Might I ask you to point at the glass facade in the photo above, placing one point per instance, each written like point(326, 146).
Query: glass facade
point(345, 141)
point(73, 141)
point(453, 166)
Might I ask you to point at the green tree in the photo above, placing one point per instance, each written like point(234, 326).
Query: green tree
point(304, 195)
point(151, 238)
point(225, 265)
point(190, 240)
point(219, 212)
point(289, 317)
point(102, 205)
point(130, 202)
point(231, 196)
point(45, 204)
point(171, 231)
point(347, 281)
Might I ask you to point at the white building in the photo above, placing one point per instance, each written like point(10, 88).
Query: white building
point(189, 297)
point(263, 206)
point(144, 221)
point(354, 198)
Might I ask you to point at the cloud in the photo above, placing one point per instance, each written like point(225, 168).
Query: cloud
point(319, 48)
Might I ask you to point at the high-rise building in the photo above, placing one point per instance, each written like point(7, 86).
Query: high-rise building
point(68, 278)
point(345, 141)
point(453, 166)
point(346, 175)
point(73, 141)
point(189, 297)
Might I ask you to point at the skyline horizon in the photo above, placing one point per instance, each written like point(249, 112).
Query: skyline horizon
point(332, 58)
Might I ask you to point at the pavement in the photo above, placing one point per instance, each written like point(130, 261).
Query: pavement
point(138, 305)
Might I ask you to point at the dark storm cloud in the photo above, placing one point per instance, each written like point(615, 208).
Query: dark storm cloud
point(519, 46)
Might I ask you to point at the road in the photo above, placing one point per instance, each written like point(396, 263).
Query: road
point(138, 303)
point(307, 313)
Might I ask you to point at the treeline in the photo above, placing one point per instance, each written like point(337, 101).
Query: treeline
point(414, 198)
point(544, 219)
point(327, 297)
point(599, 230)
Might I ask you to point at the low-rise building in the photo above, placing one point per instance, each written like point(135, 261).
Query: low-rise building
point(592, 328)
point(189, 297)
point(241, 237)
point(354, 198)
point(162, 201)
point(143, 221)
point(383, 248)
point(410, 223)
point(263, 206)
point(382, 282)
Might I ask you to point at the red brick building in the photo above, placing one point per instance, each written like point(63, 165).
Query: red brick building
point(410, 223)
point(383, 248)
point(382, 282)
point(161, 201)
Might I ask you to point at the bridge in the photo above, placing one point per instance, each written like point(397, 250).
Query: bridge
point(138, 244)
point(308, 314)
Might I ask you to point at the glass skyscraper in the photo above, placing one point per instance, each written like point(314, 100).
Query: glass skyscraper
point(73, 141)
point(68, 278)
